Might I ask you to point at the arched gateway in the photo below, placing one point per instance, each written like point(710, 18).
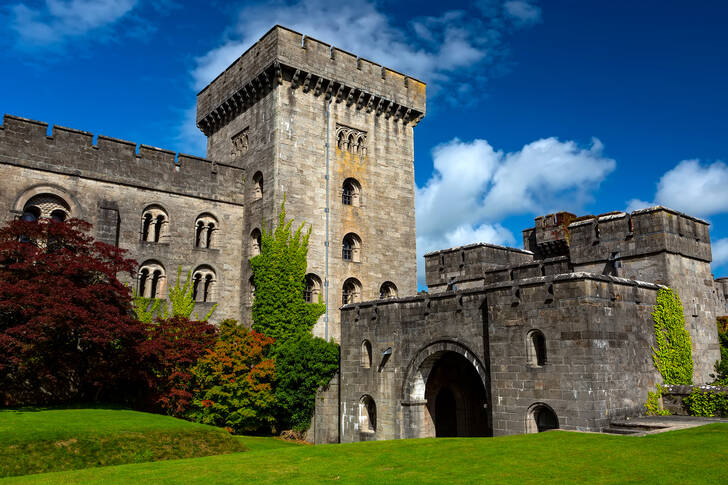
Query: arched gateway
point(445, 393)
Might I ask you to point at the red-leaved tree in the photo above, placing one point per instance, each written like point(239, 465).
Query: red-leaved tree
point(171, 350)
point(66, 329)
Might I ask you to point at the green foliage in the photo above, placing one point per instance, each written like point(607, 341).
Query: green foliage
point(707, 403)
point(279, 272)
point(183, 303)
point(653, 406)
point(673, 356)
point(303, 365)
point(721, 367)
point(234, 381)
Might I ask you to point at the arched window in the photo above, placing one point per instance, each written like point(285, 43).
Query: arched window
point(361, 148)
point(258, 186)
point(350, 144)
point(366, 354)
point(536, 348)
point(251, 284)
point(152, 280)
point(367, 414)
point(351, 291)
point(351, 248)
point(351, 192)
point(154, 224)
point(255, 239)
point(313, 288)
point(47, 206)
point(204, 283)
point(541, 417)
point(340, 141)
point(388, 290)
point(206, 228)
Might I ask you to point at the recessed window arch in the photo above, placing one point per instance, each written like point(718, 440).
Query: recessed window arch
point(366, 354)
point(536, 348)
point(540, 417)
point(152, 280)
point(313, 288)
point(206, 231)
point(155, 224)
point(351, 291)
point(367, 414)
point(257, 185)
point(48, 206)
point(255, 241)
point(204, 284)
point(351, 248)
point(351, 192)
point(251, 287)
point(388, 290)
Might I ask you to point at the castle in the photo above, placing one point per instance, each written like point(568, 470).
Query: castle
point(506, 341)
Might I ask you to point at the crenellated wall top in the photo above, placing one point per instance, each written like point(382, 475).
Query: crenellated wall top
point(26, 143)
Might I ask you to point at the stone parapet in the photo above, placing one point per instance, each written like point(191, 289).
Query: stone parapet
point(26, 143)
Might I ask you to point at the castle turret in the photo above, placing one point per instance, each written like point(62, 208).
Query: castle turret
point(333, 134)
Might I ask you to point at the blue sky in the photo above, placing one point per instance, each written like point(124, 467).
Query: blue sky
point(533, 106)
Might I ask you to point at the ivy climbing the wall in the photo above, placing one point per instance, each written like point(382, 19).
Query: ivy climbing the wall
point(303, 362)
point(721, 367)
point(673, 355)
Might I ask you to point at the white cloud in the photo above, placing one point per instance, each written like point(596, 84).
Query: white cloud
point(720, 252)
point(431, 48)
point(59, 20)
point(696, 189)
point(474, 186)
point(522, 12)
point(691, 187)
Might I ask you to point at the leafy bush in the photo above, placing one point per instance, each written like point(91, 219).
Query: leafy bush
point(653, 406)
point(707, 403)
point(721, 367)
point(279, 272)
point(303, 365)
point(173, 347)
point(673, 357)
point(66, 333)
point(180, 295)
point(234, 381)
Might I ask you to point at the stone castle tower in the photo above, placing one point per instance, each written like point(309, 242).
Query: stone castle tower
point(333, 134)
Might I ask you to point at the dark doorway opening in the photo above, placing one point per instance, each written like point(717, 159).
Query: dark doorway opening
point(456, 397)
point(446, 412)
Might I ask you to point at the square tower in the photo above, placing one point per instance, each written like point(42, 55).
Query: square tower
point(333, 133)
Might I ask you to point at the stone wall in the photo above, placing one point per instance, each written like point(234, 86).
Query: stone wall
point(597, 330)
point(109, 185)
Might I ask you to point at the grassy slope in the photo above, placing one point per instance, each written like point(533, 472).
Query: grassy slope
point(688, 456)
point(66, 439)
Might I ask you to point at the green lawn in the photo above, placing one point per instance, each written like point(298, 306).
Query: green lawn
point(67, 439)
point(695, 455)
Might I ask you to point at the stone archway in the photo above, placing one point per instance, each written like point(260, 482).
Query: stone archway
point(445, 393)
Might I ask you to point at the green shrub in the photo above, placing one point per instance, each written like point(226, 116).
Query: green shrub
point(721, 367)
point(653, 406)
point(673, 357)
point(234, 381)
point(303, 365)
point(707, 403)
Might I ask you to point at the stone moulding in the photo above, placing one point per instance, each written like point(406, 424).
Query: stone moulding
point(274, 74)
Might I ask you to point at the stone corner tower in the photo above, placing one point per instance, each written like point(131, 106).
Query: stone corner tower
point(333, 133)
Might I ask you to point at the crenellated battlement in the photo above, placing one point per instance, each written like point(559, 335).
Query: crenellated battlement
point(73, 152)
point(620, 235)
point(508, 295)
point(445, 267)
point(315, 66)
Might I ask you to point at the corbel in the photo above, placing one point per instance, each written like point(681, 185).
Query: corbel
point(360, 100)
point(317, 88)
point(307, 83)
point(277, 73)
point(329, 89)
point(350, 97)
point(294, 79)
point(390, 110)
point(340, 93)
point(380, 106)
point(406, 116)
point(370, 103)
